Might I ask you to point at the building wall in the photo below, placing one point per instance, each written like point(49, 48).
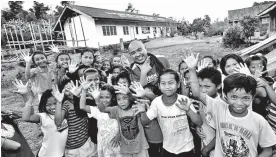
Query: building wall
point(93, 32)
point(73, 30)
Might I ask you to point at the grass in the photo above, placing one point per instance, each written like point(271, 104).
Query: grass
point(32, 132)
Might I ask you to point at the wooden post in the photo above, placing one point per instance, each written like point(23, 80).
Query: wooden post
point(17, 37)
point(73, 40)
point(122, 44)
point(7, 36)
point(22, 38)
point(61, 31)
point(33, 36)
point(45, 32)
point(13, 43)
point(50, 26)
point(41, 39)
point(83, 32)
point(75, 32)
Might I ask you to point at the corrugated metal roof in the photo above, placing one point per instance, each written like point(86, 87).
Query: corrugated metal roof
point(272, 7)
point(238, 14)
point(121, 15)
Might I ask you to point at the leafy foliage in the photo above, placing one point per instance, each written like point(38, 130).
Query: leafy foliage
point(131, 9)
point(249, 25)
point(39, 10)
point(233, 37)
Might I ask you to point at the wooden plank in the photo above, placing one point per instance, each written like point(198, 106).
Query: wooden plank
point(45, 30)
point(22, 37)
point(30, 26)
point(17, 36)
point(7, 35)
point(82, 31)
point(41, 39)
point(75, 31)
point(61, 31)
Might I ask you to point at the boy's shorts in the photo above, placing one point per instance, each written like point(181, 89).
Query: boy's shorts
point(89, 149)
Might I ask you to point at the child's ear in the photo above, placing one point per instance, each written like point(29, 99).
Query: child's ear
point(178, 84)
point(218, 86)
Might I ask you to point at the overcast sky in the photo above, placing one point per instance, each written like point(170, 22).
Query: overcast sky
point(189, 9)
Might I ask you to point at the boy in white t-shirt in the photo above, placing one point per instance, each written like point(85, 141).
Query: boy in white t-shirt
point(171, 110)
point(238, 130)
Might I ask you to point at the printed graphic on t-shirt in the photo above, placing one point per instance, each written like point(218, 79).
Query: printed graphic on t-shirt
point(129, 127)
point(152, 78)
point(233, 141)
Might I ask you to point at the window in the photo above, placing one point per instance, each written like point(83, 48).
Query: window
point(109, 30)
point(265, 20)
point(145, 30)
point(137, 31)
point(125, 29)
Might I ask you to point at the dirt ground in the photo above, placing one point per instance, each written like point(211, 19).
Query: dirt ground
point(32, 132)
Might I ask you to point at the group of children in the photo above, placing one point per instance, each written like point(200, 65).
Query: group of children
point(99, 107)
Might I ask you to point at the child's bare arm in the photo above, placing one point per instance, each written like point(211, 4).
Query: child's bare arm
point(266, 152)
point(27, 58)
point(28, 112)
point(211, 146)
point(7, 144)
point(191, 62)
point(83, 105)
point(59, 113)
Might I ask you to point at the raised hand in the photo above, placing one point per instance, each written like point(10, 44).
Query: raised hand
point(94, 91)
point(191, 60)
point(143, 101)
point(258, 72)
point(21, 88)
point(121, 89)
point(74, 89)
point(84, 83)
point(184, 104)
point(138, 89)
point(125, 61)
point(55, 92)
point(242, 68)
point(202, 64)
point(27, 58)
point(54, 48)
point(73, 66)
point(145, 67)
point(138, 108)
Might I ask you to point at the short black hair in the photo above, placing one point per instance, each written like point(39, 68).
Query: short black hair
point(169, 71)
point(179, 65)
point(240, 81)
point(123, 75)
point(115, 67)
point(249, 60)
point(90, 70)
point(210, 73)
point(62, 53)
point(36, 53)
point(225, 58)
point(213, 60)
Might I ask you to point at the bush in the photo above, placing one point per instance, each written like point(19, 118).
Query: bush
point(233, 37)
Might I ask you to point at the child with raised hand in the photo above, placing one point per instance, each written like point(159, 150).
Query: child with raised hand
point(107, 127)
point(172, 111)
point(238, 130)
point(43, 74)
point(265, 93)
point(106, 65)
point(133, 140)
point(78, 142)
point(54, 138)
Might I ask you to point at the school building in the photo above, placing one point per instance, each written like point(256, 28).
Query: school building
point(94, 27)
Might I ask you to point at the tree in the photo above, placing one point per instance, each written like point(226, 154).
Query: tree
point(261, 3)
point(198, 25)
point(207, 21)
point(131, 9)
point(249, 25)
point(184, 26)
point(15, 6)
point(39, 10)
point(65, 3)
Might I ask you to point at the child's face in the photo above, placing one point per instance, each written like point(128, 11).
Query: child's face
point(106, 65)
point(123, 101)
point(105, 97)
point(116, 61)
point(183, 68)
point(98, 63)
point(116, 72)
point(87, 58)
point(208, 87)
point(210, 62)
point(257, 64)
point(239, 101)
point(51, 105)
point(123, 81)
point(40, 60)
point(93, 76)
point(168, 84)
point(230, 66)
point(63, 61)
point(187, 77)
point(80, 72)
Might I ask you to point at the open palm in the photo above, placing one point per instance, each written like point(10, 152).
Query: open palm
point(191, 60)
point(27, 58)
point(58, 95)
point(73, 66)
point(74, 89)
point(138, 89)
point(21, 88)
